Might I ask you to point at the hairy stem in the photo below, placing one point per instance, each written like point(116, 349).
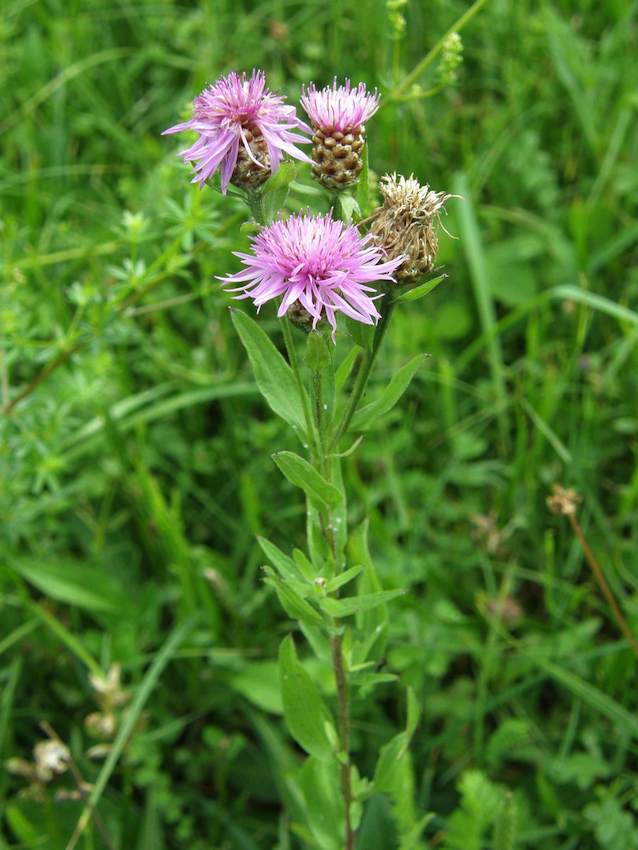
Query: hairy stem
point(343, 697)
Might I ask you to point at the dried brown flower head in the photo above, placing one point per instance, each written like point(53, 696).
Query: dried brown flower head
point(406, 224)
point(563, 501)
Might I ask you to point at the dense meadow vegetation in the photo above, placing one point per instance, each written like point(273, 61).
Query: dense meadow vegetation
point(135, 449)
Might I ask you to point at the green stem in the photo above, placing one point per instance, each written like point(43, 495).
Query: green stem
point(345, 769)
point(364, 372)
point(336, 639)
point(427, 60)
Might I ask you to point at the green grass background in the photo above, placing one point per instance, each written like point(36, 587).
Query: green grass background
point(135, 476)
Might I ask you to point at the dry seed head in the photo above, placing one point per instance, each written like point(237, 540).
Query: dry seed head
point(563, 501)
point(109, 688)
point(50, 757)
point(406, 224)
point(102, 725)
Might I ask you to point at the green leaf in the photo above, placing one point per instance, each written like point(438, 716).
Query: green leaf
point(366, 416)
point(273, 375)
point(361, 333)
point(389, 766)
point(305, 566)
point(345, 367)
point(363, 186)
point(319, 783)
point(292, 602)
point(299, 472)
point(505, 826)
point(317, 356)
point(355, 604)
point(285, 565)
point(275, 190)
point(77, 584)
point(349, 207)
point(422, 290)
point(374, 622)
point(257, 681)
point(306, 714)
point(343, 578)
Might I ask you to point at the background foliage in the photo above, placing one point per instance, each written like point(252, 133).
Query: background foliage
point(137, 474)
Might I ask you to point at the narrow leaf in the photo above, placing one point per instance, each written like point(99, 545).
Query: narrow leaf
point(366, 416)
point(422, 290)
point(354, 604)
point(299, 472)
point(292, 602)
point(343, 578)
point(304, 709)
point(285, 565)
point(273, 375)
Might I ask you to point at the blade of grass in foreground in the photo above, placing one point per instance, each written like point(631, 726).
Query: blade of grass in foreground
point(143, 693)
point(473, 246)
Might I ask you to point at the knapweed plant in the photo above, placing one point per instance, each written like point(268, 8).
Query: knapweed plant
point(334, 279)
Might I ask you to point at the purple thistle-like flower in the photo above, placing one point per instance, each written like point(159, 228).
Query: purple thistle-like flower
point(232, 112)
point(323, 264)
point(341, 109)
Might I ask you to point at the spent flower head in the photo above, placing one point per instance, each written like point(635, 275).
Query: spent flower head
point(405, 224)
point(338, 115)
point(324, 265)
point(244, 131)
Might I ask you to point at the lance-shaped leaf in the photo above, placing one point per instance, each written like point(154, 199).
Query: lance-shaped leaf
point(366, 416)
point(274, 376)
point(284, 565)
point(388, 769)
point(299, 472)
point(292, 601)
point(421, 290)
point(307, 716)
point(354, 604)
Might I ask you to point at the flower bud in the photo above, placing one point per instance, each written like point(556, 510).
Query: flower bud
point(338, 115)
point(406, 225)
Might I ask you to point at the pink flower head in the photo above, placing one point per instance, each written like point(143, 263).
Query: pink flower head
point(340, 109)
point(223, 113)
point(323, 264)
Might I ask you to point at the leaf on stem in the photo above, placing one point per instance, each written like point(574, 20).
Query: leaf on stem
point(422, 290)
point(307, 716)
point(388, 772)
point(274, 376)
point(355, 604)
point(322, 494)
point(291, 600)
point(365, 417)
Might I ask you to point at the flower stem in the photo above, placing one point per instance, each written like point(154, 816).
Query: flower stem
point(343, 697)
point(336, 639)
